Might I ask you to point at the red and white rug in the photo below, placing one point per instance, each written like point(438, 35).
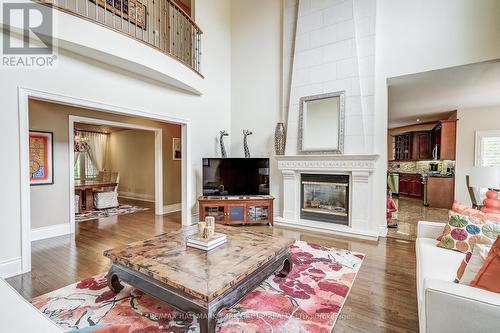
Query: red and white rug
point(102, 213)
point(309, 299)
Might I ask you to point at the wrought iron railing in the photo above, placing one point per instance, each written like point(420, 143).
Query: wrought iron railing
point(161, 24)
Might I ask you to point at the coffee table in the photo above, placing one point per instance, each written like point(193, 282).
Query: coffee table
point(195, 281)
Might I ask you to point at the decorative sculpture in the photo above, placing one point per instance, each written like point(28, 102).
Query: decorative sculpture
point(223, 133)
point(246, 133)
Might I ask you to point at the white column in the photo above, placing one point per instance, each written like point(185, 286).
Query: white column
point(360, 200)
point(289, 194)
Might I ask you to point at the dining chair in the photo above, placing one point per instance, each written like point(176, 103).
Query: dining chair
point(474, 193)
point(108, 196)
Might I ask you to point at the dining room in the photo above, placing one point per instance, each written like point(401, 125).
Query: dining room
point(99, 166)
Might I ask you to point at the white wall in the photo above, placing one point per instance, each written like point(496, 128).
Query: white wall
point(470, 121)
point(417, 36)
point(255, 79)
point(89, 80)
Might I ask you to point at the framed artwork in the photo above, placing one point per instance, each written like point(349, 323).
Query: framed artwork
point(41, 158)
point(176, 149)
point(136, 9)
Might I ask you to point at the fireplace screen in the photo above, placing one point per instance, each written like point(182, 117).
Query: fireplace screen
point(325, 198)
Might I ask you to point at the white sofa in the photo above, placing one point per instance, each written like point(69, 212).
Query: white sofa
point(445, 306)
point(18, 315)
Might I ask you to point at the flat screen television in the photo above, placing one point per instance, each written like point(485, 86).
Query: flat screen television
point(235, 176)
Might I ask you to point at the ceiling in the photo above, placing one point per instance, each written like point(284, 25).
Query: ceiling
point(432, 95)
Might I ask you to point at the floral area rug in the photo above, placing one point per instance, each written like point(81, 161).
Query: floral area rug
point(309, 299)
point(97, 214)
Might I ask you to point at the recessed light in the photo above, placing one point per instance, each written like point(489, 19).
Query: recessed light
point(418, 120)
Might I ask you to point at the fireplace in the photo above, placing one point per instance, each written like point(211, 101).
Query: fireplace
point(325, 198)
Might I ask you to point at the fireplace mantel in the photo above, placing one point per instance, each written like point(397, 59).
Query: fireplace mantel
point(360, 169)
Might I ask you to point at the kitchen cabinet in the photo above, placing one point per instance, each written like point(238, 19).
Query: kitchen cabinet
point(411, 184)
point(403, 146)
point(444, 139)
point(421, 146)
point(440, 192)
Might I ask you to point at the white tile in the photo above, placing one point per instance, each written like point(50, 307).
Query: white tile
point(367, 66)
point(367, 85)
point(369, 121)
point(345, 30)
point(353, 105)
point(364, 8)
point(309, 58)
point(323, 73)
point(301, 77)
point(355, 87)
point(354, 144)
point(338, 13)
point(354, 125)
point(323, 36)
point(302, 42)
point(368, 105)
point(337, 85)
point(338, 51)
point(322, 4)
point(347, 68)
point(304, 7)
point(366, 46)
point(309, 22)
point(365, 26)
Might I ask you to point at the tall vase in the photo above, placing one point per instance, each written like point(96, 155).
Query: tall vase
point(280, 139)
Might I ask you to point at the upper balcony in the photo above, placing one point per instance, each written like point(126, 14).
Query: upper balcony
point(161, 25)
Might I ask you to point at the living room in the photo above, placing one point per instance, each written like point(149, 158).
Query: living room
point(300, 86)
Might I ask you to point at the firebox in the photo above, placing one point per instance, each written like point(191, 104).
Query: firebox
point(325, 198)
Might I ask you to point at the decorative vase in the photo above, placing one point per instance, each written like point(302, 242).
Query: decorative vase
point(280, 139)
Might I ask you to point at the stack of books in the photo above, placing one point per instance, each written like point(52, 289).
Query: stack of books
point(206, 244)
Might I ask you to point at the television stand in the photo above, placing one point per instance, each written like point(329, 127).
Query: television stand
point(237, 210)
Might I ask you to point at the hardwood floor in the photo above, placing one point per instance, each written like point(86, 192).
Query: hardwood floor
point(410, 211)
point(383, 298)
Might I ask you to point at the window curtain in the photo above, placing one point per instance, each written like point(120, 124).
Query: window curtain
point(98, 143)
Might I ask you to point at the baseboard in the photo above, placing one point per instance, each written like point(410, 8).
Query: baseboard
point(137, 196)
point(167, 209)
point(11, 267)
point(50, 231)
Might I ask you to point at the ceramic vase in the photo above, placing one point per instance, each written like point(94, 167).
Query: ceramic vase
point(280, 139)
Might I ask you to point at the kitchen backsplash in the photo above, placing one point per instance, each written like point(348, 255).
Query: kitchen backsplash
point(421, 167)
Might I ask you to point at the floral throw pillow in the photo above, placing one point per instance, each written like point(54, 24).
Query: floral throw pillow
point(463, 232)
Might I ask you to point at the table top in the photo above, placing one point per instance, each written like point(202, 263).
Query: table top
point(89, 183)
point(204, 275)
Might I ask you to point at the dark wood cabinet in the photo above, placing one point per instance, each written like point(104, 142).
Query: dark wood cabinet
point(423, 145)
point(237, 210)
point(403, 147)
point(440, 192)
point(411, 184)
point(444, 137)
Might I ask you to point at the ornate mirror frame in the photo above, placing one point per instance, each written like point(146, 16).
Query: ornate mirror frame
point(341, 124)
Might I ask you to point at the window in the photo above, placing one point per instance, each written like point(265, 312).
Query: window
point(488, 148)
point(487, 151)
point(84, 168)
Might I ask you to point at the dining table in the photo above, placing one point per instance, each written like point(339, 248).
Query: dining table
point(86, 187)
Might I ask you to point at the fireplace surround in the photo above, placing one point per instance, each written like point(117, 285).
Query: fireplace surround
point(357, 168)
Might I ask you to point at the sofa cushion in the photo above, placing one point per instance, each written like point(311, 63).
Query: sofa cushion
point(435, 262)
point(488, 277)
point(463, 232)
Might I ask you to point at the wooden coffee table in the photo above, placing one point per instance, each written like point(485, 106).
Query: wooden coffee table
point(196, 281)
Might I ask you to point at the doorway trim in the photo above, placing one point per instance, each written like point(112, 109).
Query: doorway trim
point(24, 94)
point(96, 121)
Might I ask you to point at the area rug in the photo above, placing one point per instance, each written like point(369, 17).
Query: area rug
point(309, 299)
point(101, 213)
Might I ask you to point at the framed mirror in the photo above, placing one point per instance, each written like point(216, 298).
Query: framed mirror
point(321, 124)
